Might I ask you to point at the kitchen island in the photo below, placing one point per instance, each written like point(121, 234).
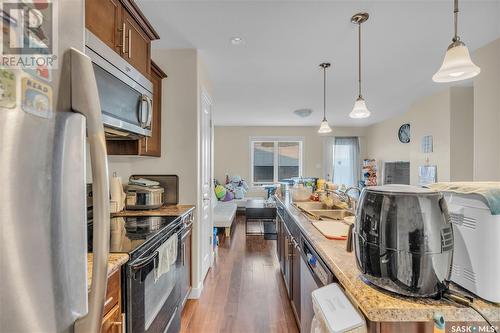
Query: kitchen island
point(383, 311)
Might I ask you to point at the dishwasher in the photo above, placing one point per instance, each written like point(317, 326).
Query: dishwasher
point(314, 274)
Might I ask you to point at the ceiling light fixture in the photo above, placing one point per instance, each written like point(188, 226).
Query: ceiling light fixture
point(457, 64)
point(237, 40)
point(359, 110)
point(324, 128)
point(303, 113)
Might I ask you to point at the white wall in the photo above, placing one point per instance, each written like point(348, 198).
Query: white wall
point(431, 116)
point(462, 134)
point(446, 116)
point(232, 148)
point(487, 113)
point(382, 141)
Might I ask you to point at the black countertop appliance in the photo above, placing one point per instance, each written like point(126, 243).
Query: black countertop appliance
point(403, 239)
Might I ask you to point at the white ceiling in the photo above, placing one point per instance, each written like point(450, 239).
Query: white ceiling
point(276, 70)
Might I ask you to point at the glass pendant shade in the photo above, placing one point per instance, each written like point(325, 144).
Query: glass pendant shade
point(359, 110)
point(324, 128)
point(457, 65)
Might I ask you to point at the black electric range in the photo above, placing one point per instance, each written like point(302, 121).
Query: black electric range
point(133, 234)
point(151, 302)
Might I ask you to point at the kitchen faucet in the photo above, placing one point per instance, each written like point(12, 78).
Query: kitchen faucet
point(345, 197)
point(351, 202)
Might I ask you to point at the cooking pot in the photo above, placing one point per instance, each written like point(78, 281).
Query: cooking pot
point(403, 239)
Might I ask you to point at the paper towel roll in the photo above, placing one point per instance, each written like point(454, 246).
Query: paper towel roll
point(116, 190)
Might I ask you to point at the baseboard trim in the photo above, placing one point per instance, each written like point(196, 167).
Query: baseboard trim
point(195, 292)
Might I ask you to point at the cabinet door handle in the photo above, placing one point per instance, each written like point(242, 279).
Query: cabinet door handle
point(109, 300)
point(117, 324)
point(123, 38)
point(129, 43)
point(182, 253)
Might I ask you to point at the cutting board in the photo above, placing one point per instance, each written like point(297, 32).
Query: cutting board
point(332, 229)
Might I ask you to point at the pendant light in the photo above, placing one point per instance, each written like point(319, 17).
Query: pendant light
point(457, 64)
point(359, 110)
point(324, 128)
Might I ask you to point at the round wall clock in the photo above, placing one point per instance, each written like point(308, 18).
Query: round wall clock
point(404, 133)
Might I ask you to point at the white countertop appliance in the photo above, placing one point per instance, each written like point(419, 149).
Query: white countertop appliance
point(403, 239)
point(476, 259)
point(333, 312)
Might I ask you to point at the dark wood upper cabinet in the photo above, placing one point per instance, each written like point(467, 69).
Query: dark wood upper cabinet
point(103, 18)
point(122, 26)
point(138, 45)
point(151, 146)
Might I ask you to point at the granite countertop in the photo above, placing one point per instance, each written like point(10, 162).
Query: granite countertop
point(169, 210)
point(379, 305)
point(115, 261)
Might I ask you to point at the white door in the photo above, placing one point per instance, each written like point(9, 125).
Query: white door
point(206, 222)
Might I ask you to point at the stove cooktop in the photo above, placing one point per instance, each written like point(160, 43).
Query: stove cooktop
point(130, 233)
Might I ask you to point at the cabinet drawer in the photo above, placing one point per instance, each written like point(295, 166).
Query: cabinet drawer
point(112, 322)
point(112, 292)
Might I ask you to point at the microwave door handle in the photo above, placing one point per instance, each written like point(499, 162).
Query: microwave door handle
point(141, 112)
point(85, 99)
point(150, 112)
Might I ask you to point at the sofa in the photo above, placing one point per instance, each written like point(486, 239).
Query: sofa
point(253, 193)
point(225, 212)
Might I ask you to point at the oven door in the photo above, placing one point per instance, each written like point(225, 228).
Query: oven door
point(152, 306)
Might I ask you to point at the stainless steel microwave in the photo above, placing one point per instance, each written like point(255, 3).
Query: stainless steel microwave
point(125, 94)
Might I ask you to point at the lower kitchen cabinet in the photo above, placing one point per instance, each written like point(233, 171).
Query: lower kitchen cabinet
point(288, 252)
point(280, 239)
point(113, 320)
point(296, 280)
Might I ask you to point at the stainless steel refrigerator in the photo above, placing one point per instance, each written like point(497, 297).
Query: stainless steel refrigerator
point(48, 119)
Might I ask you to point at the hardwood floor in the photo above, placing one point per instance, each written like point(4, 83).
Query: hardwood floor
point(243, 291)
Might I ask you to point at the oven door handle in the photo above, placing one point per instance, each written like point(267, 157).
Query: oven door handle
point(144, 262)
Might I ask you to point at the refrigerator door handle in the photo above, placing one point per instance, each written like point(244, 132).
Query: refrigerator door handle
point(85, 99)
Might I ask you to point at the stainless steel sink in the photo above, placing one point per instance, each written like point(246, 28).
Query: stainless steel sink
point(334, 214)
point(312, 205)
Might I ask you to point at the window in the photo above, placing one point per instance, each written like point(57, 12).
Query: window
point(275, 159)
point(346, 164)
